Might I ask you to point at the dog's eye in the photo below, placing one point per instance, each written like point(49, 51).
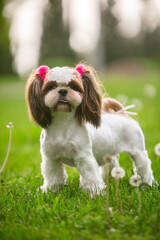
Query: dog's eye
point(49, 86)
point(75, 87)
point(53, 86)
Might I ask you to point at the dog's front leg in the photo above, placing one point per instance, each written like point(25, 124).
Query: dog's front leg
point(54, 174)
point(90, 178)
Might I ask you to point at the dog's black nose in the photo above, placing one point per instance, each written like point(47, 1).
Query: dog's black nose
point(63, 92)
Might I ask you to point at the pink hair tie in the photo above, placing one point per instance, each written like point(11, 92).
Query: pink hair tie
point(81, 69)
point(42, 71)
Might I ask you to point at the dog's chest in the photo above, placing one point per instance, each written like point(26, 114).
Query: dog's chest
point(60, 145)
point(63, 144)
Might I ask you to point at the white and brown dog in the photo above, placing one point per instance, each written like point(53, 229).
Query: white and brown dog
point(80, 128)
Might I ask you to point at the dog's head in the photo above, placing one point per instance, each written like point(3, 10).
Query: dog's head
point(64, 89)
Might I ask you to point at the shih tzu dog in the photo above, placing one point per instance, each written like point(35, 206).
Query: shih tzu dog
point(81, 128)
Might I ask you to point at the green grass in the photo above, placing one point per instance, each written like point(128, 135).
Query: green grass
point(26, 213)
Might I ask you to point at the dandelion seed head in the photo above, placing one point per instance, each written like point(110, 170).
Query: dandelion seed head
point(135, 180)
point(110, 209)
point(9, 125)
point(122, 99)
point(112, 229)
point(138, 104)
point(150, 90)
point(118, 172)
point(157, 149)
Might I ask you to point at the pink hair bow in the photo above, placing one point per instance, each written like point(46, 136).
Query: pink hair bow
point(42, 71)
point(81, 69)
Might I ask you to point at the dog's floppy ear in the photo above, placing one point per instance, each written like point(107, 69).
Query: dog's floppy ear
point(90, 108)
point(38, 111)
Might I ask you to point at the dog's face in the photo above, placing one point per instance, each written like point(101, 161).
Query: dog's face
point(62, 89)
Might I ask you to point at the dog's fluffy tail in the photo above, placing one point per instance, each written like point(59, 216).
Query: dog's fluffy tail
point(113, 106)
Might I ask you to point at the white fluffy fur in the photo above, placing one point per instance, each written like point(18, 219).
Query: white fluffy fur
point(65, 142)
point(61, 74)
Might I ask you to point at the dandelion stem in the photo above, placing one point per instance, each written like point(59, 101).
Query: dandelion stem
point(107, 197)
point(118, 197)
point(139, 199)
point(9, 146)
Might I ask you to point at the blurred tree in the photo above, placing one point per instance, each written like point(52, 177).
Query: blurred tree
point(146, 44)
point(117, 46)
point(5, 55)
point(55, 48)
point(151, 43)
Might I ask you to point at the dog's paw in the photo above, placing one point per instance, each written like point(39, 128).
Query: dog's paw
point(94, 189)
point(43, 188)
point(144, 186)
point(57, 187)
point(155, 183)
point(54, 188)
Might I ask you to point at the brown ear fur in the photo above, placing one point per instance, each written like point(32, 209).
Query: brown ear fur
point(91, 106)
point(35, 102)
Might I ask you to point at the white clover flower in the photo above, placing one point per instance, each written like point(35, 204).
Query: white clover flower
point(122, 99)
point(138, 104)
point(10, 125)
point(157, 149)
point(135, 180)
point(118, 172)
point(150, 90)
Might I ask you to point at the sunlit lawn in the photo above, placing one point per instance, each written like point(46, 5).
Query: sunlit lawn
point(26, 213)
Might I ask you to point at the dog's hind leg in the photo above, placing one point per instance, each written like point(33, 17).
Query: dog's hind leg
point(142, 165)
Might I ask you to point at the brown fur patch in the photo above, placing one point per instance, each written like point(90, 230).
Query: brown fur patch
point(111, 105)
point(48, 86)
point(76, 86)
